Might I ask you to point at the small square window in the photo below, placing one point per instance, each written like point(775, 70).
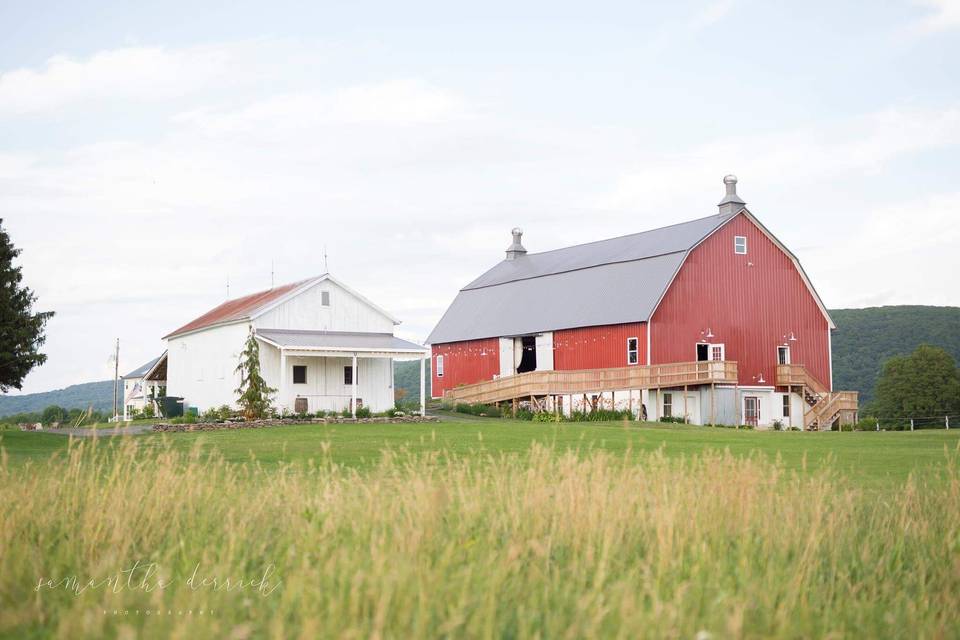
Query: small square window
point(439, 366)
point(325, 298)
point(299, 374)
point(633, 354)
point(348, 375)
point(740, 245)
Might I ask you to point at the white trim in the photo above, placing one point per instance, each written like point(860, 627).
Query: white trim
point(787, 359)
point(830, 355)
point(736, 245)
point(312, 283)
point(636, 351)
point(648, 342)
point(439, 366)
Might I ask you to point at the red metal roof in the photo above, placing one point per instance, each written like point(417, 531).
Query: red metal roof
point(238, 309)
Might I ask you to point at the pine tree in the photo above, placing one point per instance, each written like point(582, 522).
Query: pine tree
point(253, 390)
point(21, 330)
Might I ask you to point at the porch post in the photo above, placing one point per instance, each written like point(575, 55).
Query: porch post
point(423, 386)
point(283, 381)
point(353, 388)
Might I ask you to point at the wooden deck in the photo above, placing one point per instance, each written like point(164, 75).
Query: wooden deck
point(825, 407)
point(543, 383)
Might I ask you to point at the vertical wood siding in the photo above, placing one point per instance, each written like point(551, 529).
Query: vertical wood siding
point(748, 308)
point(464, 363)
point(597, 347)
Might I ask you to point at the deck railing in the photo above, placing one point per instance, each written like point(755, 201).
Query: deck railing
point(831, 406)
point(541, 383)
point(796, 375)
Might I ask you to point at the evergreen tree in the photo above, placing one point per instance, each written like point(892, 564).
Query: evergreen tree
point(925, 383)
point(253, 390)
point(21, 330)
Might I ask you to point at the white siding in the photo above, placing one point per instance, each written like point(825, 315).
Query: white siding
point(306, 312)
point(324, 388)
point(506, 357)
point(200, 366)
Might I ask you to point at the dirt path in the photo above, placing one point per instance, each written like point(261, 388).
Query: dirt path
point(96, 433)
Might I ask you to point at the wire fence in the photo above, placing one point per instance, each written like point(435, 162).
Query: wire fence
point(915, 423)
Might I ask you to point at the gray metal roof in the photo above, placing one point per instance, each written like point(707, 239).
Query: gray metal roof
point(338, 340)
point(606, 282)
point(141, 371)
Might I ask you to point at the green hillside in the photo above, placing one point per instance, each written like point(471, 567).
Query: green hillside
point(865, 338)
point(76, 396)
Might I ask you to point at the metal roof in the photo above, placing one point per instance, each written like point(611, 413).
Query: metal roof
point(338, 340)
point(141, 371)
point(605, 282)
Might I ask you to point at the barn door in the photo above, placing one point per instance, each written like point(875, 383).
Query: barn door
point(751, 410)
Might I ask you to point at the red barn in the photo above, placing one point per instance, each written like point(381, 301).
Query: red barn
point(709, 321)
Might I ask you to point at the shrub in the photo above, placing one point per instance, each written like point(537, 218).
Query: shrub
point(364, 412)
point(601, 415)
point(211, 415)
point(672, 419)
point(482, 410)
point(320, 414)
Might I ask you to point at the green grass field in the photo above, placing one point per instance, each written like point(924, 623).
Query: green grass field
point(480, 528)
point(874, 460)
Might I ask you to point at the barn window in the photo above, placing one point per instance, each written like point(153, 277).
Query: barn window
point(299, 374)
point(633, 354)
point(668, 405)
point(717, 352)
point(786, 405)
point(740, 245)
point(325, 298)
point(348, 375)
point(439, 366)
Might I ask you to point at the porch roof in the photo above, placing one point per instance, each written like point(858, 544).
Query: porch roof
point(340, 341)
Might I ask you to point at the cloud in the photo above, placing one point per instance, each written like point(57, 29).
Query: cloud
point(393, 102)
point(864, 144)
point(140, 74)
point(945, 15)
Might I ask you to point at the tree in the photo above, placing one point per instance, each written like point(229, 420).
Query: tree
point(925, 383)
point(253, 390)
point(21, 330)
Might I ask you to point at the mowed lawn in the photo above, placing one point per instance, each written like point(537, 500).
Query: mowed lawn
point(872, 460)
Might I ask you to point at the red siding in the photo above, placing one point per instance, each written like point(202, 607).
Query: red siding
point(464, 363)
point(748, 308)
point(597, 347)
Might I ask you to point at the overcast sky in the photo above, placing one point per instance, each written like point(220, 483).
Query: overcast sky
point(149, 155)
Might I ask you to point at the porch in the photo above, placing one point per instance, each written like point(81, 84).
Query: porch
point(333, 370)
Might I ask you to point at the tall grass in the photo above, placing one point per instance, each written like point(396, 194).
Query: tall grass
point(546, 544)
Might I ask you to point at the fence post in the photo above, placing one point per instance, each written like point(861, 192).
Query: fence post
point(946, 420)
point(911, 424)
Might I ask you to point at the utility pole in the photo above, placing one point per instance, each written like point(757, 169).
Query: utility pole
point(116, 378)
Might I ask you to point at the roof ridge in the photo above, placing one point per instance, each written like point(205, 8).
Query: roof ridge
point(636, 233)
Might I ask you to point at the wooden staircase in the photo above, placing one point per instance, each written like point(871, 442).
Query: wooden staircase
point(583, 381)
point(824, 407)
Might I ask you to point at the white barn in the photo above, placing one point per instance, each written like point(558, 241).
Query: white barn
point(143, 384)
point(323, 346)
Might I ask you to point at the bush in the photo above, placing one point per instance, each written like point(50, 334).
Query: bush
point(671, 419)
point(601, 415)
point(211, 415)
point(187, 418)
point(364, 412)
point(482, 410)
point(320, 414)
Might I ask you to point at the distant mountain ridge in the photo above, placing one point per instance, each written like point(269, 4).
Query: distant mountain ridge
point(863, 340)
point(76, 396)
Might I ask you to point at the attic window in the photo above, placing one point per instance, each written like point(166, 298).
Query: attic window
point(740, 245)
point(325, 298)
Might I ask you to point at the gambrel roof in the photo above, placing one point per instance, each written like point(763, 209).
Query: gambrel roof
point(255, 304)
point(613, 281)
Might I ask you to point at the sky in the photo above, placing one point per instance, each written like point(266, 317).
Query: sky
point(153, 155)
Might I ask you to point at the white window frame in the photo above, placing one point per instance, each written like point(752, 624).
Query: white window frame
point(740, 245)
point(723, 351)
point(667, 410)
point(440, 366)
point(635, 351)
point(324, 298)
point(786, 405)
point(786, 348)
